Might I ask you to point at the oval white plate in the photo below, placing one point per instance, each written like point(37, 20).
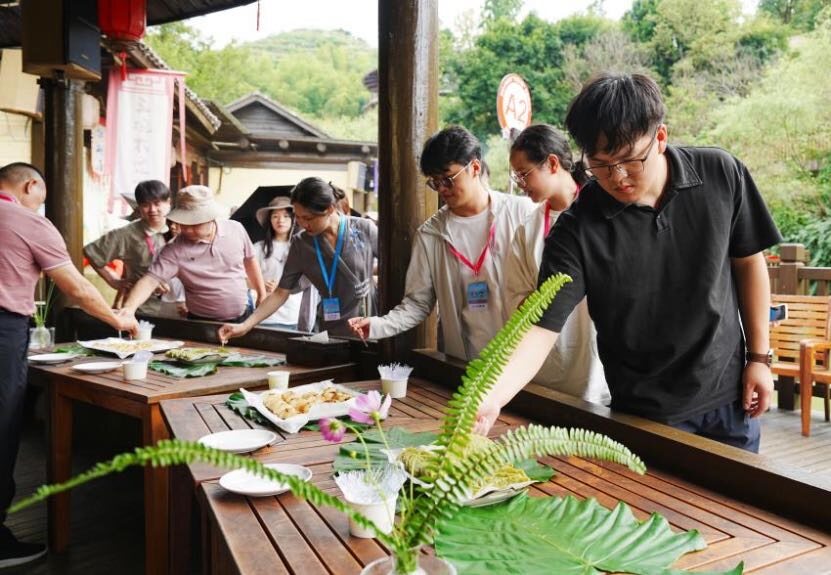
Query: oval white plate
point(246, 483)
point(97, 366)
point(239, 440)
point(51, 357)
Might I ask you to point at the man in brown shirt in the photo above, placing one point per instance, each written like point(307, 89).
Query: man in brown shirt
point(30, 245)
point(136, 244)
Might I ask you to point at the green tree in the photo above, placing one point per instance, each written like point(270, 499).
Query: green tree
point(494, 10)
point(801, 14)
point(639, 21)
point(782, 131)
point(534, 49)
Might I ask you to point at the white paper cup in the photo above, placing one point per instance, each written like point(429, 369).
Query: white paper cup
point(395, 388)
point(382, 514)
point(278, 380)
point(145, 333)
point(135, 369)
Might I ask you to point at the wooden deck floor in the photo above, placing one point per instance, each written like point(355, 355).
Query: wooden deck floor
point(107, 516)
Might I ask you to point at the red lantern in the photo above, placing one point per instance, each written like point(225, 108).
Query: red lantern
point(122, 19)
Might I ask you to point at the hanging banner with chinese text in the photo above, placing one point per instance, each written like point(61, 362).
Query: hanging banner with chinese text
point(139, 129)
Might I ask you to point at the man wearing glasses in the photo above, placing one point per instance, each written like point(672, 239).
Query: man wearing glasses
point(666, 243)
point(457, 253)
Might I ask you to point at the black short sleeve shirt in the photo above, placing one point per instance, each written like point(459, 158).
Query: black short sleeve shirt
point(659, 283)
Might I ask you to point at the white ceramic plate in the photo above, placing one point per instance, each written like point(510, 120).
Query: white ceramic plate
point(96, 366)
point(246, 483)
point(47, 358)
point(239, 440)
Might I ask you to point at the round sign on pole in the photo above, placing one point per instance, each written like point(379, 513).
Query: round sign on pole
point(513, 104)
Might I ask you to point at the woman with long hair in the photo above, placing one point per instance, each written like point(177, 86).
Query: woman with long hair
point(334, 251)
point(277, 220)
point(543, 167)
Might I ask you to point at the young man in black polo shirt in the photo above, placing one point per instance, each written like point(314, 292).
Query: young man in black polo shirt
point(666, 243)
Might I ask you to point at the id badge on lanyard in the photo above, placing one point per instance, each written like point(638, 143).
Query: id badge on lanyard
point(331, 309)
point(477, 293)
point(331, 304)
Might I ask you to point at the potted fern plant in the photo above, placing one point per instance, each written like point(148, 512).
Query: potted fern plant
point(453, 474)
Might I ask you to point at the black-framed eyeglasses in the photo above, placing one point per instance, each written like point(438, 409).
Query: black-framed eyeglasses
point(630, 167)
point(436, 182)
point(521, 180)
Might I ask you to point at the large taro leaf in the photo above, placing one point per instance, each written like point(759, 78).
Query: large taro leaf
point(566, 536)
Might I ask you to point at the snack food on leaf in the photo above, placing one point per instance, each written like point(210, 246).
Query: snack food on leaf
point(290, 403)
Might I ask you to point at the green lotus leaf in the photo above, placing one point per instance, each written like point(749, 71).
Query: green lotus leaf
point(566, 536)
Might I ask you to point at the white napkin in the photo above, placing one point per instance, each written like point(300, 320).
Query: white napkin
point(322, 337)
point(369, 487)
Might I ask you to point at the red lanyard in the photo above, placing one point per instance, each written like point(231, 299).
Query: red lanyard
point(7, 198)
point(547, 226)
point(547, 220)
point(477, 267)
point(150, 245)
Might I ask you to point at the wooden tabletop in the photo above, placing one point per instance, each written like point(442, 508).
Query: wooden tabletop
point(157, 387)
point(141, 399)
point(286, 535)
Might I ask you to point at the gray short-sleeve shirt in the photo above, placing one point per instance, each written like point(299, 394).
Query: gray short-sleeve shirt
point(354, 284)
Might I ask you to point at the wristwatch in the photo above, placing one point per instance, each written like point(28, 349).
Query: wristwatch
point(766, 358)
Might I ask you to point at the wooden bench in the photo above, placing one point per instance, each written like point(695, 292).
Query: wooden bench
point(808, 319)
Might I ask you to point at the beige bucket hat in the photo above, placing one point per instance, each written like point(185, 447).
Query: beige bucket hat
point(196, 205)
point(278, 203)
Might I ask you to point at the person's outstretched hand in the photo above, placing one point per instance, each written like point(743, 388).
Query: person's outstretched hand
point(126, 321)
point(230, 330)
point(360, 325)
point(486, 416)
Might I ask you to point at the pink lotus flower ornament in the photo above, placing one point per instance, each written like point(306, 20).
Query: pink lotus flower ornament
point(369, 408)
point(332, 429)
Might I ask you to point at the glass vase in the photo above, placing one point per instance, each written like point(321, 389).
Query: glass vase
point(427, 565)
point(41, 337)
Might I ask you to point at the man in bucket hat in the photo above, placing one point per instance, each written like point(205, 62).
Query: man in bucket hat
point(212, 256)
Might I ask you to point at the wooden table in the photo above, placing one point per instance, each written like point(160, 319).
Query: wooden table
point(286, 535)
point(140, 399)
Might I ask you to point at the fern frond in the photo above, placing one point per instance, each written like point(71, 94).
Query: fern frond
point(482, 372)
point(175, 452)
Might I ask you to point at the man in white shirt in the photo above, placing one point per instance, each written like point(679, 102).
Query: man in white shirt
point(458, 253)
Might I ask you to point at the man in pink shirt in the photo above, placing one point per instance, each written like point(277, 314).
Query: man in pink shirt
point(211, 256)
point(29, 245)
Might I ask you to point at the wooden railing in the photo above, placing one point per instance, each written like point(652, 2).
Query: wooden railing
point(791, 276)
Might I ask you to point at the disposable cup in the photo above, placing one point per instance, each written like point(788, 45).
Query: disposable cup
point(278, 379)
point(395, 388)
point(382, 514)
point(145, 333)
point(135, 369)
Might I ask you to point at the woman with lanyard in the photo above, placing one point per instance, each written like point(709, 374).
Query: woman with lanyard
point(542, 166)
point(334, 251)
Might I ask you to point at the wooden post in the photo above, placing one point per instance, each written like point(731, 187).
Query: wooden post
point(64, 166)
point(407, 115)
point(793, 258)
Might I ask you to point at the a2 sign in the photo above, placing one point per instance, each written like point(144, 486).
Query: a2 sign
point(513, 104)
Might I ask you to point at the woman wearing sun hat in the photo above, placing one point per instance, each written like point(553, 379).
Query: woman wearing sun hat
point(212, 256)
point(277, 220)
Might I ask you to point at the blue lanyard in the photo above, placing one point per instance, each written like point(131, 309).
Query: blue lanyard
point(329, 279)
